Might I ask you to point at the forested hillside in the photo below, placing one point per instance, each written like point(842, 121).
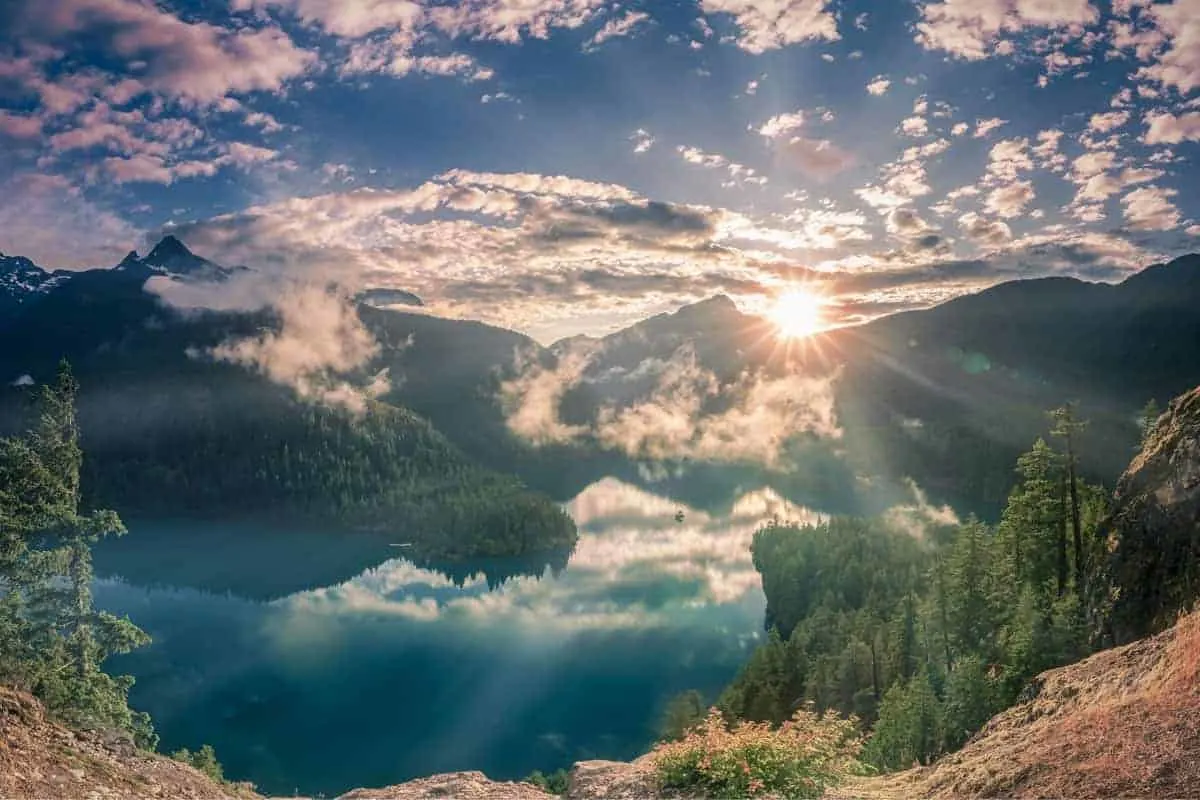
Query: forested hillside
point(171, 433)
point(924, 639)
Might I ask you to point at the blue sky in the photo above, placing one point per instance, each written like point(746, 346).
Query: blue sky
point(565, 166)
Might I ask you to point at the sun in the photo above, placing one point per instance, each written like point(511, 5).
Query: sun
point(797, 313)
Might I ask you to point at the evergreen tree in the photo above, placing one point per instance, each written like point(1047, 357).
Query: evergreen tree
point(1066, 427)
point(52, 639)
point(909, 730)
point(970, 701)
point(682, 713)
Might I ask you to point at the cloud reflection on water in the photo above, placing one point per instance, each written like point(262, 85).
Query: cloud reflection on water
point(635, 565)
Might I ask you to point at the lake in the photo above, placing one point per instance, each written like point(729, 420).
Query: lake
point(318, 662)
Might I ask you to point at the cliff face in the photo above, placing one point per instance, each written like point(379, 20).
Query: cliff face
point(1154, 532)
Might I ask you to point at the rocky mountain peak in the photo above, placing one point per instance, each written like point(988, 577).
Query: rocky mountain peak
point(172, 255)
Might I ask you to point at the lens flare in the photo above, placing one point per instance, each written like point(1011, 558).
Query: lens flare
point(797, 313)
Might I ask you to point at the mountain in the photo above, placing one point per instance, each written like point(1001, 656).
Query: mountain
point(22, 281)
point(170, 435)
point(950, 395)
point(1153, 552)
point(947, 396)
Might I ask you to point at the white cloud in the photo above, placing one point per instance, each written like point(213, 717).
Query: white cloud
point(1108, 121)
point(46, 219)
point(759, 415)
point(1163, 127)
point(1010, 200)
point(617, 27)
point(878, 85)
point(782, 125)
point(198, 61)
point(1008, 157)
point(770, 24)
point(983, 230)
point(1178, 65)
point(1150, 209)
point(970, 29)
point(19, 126)
point(985, 126)
point(914, 126)
point(642, 140)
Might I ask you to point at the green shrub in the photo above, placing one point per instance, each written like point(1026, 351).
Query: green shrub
point(799, 759)
point(554, 783)
point(204, 759)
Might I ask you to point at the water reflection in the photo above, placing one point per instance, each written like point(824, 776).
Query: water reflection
point(401, 669)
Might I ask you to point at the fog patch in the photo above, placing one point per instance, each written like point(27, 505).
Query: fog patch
point(918, 516)
point(687, 414)
point(531, 400)
point(319, 342)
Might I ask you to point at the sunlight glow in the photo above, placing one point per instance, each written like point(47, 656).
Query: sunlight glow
point(797, 313)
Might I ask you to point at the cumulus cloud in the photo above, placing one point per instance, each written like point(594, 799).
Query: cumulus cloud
point(1177, 30)
point(1150, 209)
point(972, 29)
point(1108, 121)
point(1163, 127)
point(1010, 200)
point(19, 126)
point(983, 230)
point(914, 126)
point(198, 61)
point(919, 515)
point(782, 125)
point(770, 24)
point(878, 85)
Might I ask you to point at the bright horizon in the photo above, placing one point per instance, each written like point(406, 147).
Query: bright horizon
point(572, 166)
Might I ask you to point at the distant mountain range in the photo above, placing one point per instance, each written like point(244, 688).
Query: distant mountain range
point(947, 396)
point(169, 433)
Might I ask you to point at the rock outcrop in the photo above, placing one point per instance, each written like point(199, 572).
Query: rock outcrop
point(1153, 560)
point(40, 759)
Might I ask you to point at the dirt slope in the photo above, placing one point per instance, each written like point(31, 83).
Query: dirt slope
point(42, 760)
point(1123, 723)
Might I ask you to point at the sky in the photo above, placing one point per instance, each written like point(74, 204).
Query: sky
point(571, 166)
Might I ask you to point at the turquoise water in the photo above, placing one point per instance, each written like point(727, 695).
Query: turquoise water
point(319, 662)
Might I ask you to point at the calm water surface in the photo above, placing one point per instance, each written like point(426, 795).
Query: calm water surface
point(321, 662)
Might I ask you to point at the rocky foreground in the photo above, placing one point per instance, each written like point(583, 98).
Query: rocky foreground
point(1123, 723)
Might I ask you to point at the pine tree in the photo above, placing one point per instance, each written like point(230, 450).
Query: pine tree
point(1067, 428)
point(52, 640)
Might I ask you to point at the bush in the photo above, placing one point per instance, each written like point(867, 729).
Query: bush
point(204, 759)
point(554, 783)
point(799, 759)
